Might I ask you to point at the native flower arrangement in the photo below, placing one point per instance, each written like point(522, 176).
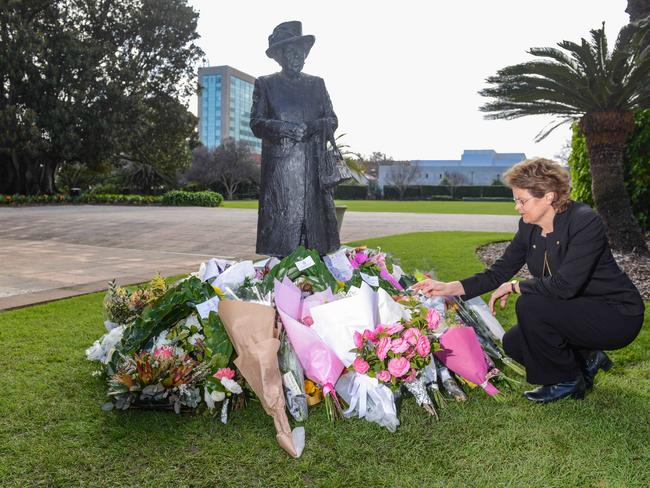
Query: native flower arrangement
point(122, 306)
point(344, 330)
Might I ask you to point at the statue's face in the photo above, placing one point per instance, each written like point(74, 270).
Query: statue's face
point(293, 59)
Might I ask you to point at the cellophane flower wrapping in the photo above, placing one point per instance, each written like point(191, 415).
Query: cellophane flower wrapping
point(462, 353)
point(293, 380)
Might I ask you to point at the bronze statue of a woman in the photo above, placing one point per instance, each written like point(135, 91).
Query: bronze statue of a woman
point(292, 114)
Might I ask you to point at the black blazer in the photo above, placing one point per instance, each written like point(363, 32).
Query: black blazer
point(579, 257)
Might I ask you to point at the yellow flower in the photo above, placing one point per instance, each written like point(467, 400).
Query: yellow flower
point(218, 291)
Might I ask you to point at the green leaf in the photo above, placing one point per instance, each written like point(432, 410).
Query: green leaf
point(218, 346)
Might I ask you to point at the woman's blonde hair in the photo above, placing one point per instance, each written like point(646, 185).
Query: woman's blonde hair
point(541, 176)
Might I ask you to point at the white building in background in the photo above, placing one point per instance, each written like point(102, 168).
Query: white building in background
point(476, 167)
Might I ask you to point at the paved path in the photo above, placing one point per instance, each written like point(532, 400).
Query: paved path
point(54, 252)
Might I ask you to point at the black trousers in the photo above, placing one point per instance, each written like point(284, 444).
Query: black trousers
point(553, 335)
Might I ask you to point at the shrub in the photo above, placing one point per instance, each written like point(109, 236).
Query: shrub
point(351, 192)
point(197, 199)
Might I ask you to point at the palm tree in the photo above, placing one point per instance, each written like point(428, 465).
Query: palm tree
point(599, 89)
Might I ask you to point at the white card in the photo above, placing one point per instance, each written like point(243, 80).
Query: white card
point(371, 280)
point(306, 263)
point(208, 306)
point(290, 383)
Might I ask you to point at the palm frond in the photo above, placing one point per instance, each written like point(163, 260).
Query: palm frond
point(600, 44)
point(542, 134)
point(573, 79)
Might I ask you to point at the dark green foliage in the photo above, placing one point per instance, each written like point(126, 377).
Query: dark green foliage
point(196, 198)
point(218, 345)
point(453, 192)
point(176, 304)
point(317, 275)
point(351, 192)
point(636, 167)
point(94, 82)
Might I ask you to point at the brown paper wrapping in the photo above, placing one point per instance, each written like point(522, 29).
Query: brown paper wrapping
point(251, 328)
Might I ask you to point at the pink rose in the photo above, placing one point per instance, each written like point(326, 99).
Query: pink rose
point(163, 352)
point(369, 335)
point(433, 318)
point(411, 376)
point(411, 335)
point(410, 354)
point(383, 347)
point(399, 346)
point(358, 340)
point(423, 347)
point(398, 367)
point(380, 328)
point(395, 329)
point(383, 375)
point(360, 365)
point(224, 373)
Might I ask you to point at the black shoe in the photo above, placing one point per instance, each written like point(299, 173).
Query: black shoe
point(549, 393)
point(595, 361)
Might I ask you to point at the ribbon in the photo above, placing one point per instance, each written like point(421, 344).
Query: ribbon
point(489, 388)
point(363, 388)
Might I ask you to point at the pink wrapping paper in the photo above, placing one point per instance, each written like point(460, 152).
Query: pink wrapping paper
point(314, 300)
point(462, 353)
point(317, 359)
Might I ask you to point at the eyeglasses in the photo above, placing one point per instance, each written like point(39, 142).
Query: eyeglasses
point(521, 201)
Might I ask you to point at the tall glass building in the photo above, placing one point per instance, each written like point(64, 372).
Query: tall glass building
point(224, 110)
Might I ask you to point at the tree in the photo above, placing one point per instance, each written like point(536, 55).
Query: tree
point(600, 89)
point(229, 166)
point(402, 175)
point(78, 80)
point(455, 178)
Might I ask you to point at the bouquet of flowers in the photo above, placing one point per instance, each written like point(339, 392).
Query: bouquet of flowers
point(304, 268)
point(396, 353)
point(375, 268)
point(164, 377)
point(122, 306)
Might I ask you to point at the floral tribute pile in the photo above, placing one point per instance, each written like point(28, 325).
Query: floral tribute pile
point(344, 330)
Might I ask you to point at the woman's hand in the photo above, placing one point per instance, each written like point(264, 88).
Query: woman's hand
point(437, 288)
point(502, 293)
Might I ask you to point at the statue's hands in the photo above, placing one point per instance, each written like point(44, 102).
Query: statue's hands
point(294, 131)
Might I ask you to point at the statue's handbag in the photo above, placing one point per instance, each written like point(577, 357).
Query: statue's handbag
point(333, 169)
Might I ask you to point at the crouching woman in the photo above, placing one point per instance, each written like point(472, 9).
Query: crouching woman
point(578, 302)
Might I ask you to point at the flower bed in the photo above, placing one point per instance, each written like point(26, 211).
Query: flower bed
point(173, 198)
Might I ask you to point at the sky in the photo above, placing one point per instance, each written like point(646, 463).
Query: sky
point(403, 76)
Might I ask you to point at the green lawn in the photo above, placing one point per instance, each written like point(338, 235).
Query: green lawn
point(418, 206)
point(53, 433)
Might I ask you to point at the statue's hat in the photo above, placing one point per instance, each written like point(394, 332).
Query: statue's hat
point(288, 33)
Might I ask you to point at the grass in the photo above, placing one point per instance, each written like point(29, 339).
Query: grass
point(412, 206)
point(53, 433)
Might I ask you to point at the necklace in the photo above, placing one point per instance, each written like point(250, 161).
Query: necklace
point(547, 267)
